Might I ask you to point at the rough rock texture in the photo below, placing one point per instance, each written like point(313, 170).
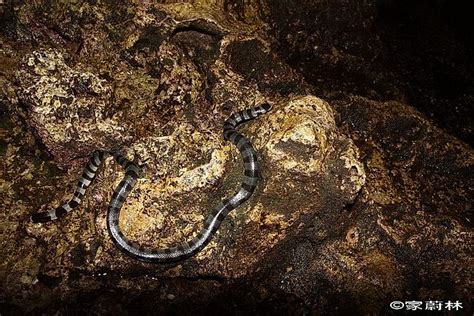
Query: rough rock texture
point(363, 199)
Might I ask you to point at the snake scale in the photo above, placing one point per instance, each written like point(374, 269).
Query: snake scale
point(132, 172)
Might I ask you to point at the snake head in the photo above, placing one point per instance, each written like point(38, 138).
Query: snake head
point(140, 163)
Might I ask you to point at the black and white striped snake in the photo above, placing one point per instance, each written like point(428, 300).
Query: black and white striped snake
point(132, 173)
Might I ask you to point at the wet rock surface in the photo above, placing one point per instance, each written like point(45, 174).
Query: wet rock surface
point(415, 52)
point(363, 200)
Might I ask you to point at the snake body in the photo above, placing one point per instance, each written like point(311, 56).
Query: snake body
point(132, 170)
point(88, 175)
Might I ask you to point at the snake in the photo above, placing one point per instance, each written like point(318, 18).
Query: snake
point(132, 170)
point(87, 177)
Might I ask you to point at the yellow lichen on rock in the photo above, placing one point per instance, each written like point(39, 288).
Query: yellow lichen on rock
point(64, 103)
point(248, 18)
point(302, 129)
point(356, 170)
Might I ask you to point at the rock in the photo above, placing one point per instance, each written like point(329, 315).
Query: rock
point(361, 202)
point(67, 109)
